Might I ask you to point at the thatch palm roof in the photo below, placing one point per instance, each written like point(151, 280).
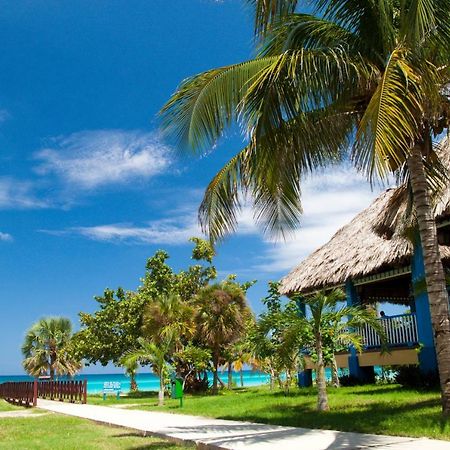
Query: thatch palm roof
point(359, 249)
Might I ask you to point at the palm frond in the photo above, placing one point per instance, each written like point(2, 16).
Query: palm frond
point(390, 123)
point(269, 11)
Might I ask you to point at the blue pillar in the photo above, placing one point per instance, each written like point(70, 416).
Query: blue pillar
point(304, 377)
point(363, 374)
point(427, 355)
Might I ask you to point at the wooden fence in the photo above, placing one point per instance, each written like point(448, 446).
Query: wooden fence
point(27, 392)
point(21, 392)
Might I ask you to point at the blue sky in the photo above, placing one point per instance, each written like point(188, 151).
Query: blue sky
point(88, 189)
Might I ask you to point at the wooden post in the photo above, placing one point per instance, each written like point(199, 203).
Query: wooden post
point(35, 392)
point(85, 391)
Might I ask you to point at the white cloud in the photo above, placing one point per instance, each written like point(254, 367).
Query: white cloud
point(92, 159)
point(164, 231)
point(16, 194)
point(330, 200)
point(5, 237)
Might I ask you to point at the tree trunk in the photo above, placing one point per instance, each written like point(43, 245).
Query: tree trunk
point(322, 397)
point(242, 377)
point(272, 380)
point(215, 374)
point(52, 366)
point(335, 374)
point(230, 375)
point(434, 272)
point(133, 384)
point(161, 390)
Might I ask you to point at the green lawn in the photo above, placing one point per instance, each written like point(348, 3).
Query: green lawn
point(388, 409)
point(53, 431)
point(5, 406)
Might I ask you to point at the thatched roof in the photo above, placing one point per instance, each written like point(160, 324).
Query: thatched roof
point(357, 250)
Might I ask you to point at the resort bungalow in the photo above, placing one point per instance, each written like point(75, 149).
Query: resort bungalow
point(375, 267)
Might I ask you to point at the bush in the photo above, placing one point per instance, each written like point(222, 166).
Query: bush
point(413, 377)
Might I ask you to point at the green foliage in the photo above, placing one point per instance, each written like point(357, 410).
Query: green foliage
point(46, 348)
point(369, 76)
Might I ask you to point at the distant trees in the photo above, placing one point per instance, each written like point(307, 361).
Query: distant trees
point(181, 312)
point(45, 348)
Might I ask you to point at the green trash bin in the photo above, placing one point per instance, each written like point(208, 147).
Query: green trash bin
point(176, 388)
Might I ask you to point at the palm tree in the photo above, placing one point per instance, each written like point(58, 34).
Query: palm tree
point(131, 368)
point(45, 348)
point(328, 327)
point(156, 356)
point(222, 312)
point(371, 76)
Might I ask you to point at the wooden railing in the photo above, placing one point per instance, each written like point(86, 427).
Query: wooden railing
point(73, 391)
point(26, 393)
point(22, 393)
point(401, 330)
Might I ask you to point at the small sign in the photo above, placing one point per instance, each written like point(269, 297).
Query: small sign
point(111, 387)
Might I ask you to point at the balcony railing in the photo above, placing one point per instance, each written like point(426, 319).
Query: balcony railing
point(400, 330)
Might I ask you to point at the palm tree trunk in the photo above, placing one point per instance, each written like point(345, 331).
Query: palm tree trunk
point(161, 390)
point(434, 272)
point(242, 377)
point(335, 374)
point(133, 384)
point(52, 366)
point(215, 374)
point(322, 397)
point(230, 375)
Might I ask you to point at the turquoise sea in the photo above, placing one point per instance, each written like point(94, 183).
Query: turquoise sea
point(145, 381)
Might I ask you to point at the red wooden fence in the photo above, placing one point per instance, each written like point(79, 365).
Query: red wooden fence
point(27, 392)
point(20, 392)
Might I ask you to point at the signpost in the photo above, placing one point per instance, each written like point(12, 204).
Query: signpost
point(111, 387)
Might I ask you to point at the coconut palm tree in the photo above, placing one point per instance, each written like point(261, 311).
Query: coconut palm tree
point(370, 76)
point(327, 327)
point(222, 313)
point(131, 368)
point(45, 348)
point(154, 355)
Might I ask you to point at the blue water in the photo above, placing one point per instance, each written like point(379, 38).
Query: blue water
point(145, 381)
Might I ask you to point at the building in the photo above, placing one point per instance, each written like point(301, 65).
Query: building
point(375, 264)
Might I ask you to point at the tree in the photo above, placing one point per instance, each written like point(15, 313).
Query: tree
point(131, 368)
point(328, 327)
point(272, 352)
point(45, 348)
point(154, 355)
point(222, 311)
point(372, 76)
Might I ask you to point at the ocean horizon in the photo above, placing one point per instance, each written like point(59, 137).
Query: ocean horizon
point(146, 381)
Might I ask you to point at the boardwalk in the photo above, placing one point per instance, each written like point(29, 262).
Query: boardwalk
point(226, 434)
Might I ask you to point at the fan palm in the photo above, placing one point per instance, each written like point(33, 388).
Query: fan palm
point(367, 75)
point(222, 313)
point(45, 348)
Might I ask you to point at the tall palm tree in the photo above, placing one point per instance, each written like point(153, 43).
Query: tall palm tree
point(154, 355)
point(369, 75)
point(45, 348)
point(328, 327)
point(222, 313)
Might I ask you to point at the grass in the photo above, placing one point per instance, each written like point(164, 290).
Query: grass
point(388, 409)
point(4, 406)
point(54, 431)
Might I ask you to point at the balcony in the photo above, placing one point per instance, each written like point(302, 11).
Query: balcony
point(401, 331)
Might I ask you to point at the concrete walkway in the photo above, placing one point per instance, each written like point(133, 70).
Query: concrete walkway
point(227, 434)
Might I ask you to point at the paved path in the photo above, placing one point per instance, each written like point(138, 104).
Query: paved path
point(227, 434)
